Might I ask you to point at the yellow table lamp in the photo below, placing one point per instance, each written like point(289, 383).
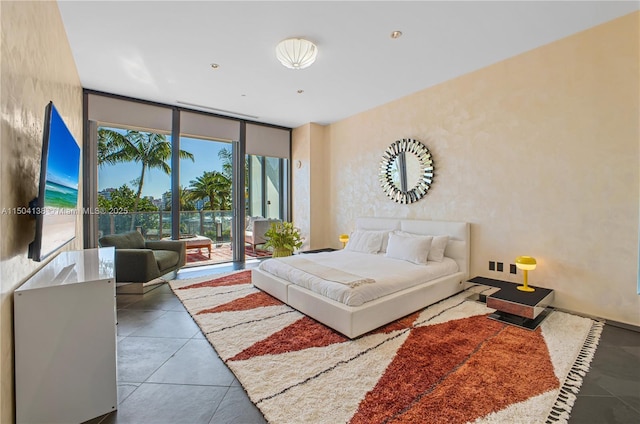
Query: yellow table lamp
point(526, 263)
point(344, 238)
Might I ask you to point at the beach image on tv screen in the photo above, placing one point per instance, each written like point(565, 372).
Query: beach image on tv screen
point(61, 188)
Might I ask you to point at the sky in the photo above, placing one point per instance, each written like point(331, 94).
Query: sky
point(156, 182)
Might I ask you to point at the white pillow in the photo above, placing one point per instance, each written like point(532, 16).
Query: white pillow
point(365, 241)
point(412, 248)
point(438, 246)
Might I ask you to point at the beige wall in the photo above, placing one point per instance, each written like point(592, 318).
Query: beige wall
point(36, 67)
point(538, 152)
point(310, 182)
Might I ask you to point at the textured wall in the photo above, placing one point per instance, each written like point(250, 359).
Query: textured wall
point(36, 67)
point(301, 181)
point(538, 152)
point(310, 183)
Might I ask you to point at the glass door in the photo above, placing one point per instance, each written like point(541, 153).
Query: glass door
point(206, 184)
point(266, 187)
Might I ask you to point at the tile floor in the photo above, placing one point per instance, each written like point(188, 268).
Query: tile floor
point(169, 373)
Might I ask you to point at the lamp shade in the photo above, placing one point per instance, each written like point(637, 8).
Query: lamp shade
point(296, 53)
point(526, 263)
point(344, 238)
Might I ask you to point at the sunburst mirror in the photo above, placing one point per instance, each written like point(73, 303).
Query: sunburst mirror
point(406, 171)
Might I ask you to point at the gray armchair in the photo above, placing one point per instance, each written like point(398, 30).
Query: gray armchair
point(140, 261)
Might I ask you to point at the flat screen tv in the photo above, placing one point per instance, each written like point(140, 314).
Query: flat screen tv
point(56, 207)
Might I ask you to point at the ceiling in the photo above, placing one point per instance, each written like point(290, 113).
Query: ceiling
point(162, 51)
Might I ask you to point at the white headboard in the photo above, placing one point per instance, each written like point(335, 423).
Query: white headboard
point(458, 248)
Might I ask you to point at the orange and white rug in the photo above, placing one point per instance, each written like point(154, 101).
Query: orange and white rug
point(447, 363)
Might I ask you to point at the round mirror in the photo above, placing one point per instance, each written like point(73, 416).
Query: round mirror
point(406, 171)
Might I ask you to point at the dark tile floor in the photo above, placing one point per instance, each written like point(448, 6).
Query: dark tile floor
point(169, 373)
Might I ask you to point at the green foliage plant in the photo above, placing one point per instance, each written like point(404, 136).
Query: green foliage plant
point(283, 236)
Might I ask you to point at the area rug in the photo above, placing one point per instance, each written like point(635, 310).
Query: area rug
point(448, 363)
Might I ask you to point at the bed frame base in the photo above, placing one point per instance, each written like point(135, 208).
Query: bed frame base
point(353, 321)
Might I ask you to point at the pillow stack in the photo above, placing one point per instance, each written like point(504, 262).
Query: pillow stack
point(415, 248)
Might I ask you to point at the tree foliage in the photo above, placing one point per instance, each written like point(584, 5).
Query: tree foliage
point(214, 186)
point(150, 150)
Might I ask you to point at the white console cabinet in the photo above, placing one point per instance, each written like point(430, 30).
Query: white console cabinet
point(65, 340)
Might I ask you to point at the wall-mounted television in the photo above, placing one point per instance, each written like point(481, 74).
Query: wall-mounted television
point(56, 207)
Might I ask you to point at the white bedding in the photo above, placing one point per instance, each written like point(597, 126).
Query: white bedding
point(390, 275)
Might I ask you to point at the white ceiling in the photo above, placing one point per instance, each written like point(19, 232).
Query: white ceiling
point(161, 51)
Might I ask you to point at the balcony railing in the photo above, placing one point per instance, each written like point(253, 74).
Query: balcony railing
point(156, 225)
point(215, 225)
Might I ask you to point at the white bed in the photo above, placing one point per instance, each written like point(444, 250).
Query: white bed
point(400, 287)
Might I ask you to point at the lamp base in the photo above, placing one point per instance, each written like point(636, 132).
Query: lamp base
point(526, 289)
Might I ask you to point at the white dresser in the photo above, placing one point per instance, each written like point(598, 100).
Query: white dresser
point(65, 339)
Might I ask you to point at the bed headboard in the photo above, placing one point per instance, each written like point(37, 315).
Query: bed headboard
point(458, 248)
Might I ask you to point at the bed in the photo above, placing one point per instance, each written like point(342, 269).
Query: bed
point(360, 288)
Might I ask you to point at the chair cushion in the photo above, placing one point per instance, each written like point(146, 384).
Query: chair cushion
point(130, 240)
point(166, 258)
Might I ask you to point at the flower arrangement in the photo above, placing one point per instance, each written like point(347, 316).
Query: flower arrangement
point(284, 238)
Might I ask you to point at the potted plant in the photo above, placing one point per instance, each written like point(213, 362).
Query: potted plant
point(284, 238)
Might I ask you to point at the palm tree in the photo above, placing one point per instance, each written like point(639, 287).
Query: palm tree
point(226, 157)
point(110, 145)
point(213, 185)
point(222, 185)
point(151, 150)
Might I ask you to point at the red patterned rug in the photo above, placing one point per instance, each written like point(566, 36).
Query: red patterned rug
point(447, 363)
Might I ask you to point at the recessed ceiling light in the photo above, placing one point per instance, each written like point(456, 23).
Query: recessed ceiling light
point(396, 34)
point(215, 66)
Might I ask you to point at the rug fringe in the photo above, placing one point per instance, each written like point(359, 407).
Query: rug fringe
point(566, 398)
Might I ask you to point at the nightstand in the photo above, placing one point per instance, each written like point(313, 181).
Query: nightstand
point(326, 249)
point(516, 307)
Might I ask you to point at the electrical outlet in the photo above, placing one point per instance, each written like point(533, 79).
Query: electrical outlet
point(513, 269)
point(492, 266)
point(500, 267)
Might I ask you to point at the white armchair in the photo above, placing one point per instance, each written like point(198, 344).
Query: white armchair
point(254, 235)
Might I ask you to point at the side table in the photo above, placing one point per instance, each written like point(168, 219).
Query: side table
point(326, 249)
point(516, 307)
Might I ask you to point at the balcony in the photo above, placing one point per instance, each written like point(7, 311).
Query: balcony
point(196, 228)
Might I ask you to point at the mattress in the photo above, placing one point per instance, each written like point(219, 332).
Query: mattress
point(389, 275)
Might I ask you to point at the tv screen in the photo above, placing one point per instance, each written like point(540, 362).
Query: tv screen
point(56, 207)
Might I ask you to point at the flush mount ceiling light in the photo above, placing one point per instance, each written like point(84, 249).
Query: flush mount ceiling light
point(296, 53)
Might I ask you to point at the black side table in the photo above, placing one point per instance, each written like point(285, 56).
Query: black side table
point(524, 309)
point(326, 249)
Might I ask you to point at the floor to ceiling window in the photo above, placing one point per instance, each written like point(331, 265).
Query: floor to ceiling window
point(134, 175)
point(173, 173)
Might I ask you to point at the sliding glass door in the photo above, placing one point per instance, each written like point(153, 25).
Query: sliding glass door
point(206, 188)
point(266, 186)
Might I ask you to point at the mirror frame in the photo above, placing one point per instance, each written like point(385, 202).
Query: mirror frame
point(395, 193)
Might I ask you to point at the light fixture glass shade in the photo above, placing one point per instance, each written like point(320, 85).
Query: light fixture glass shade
point(296, 53)
point(526, 262)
